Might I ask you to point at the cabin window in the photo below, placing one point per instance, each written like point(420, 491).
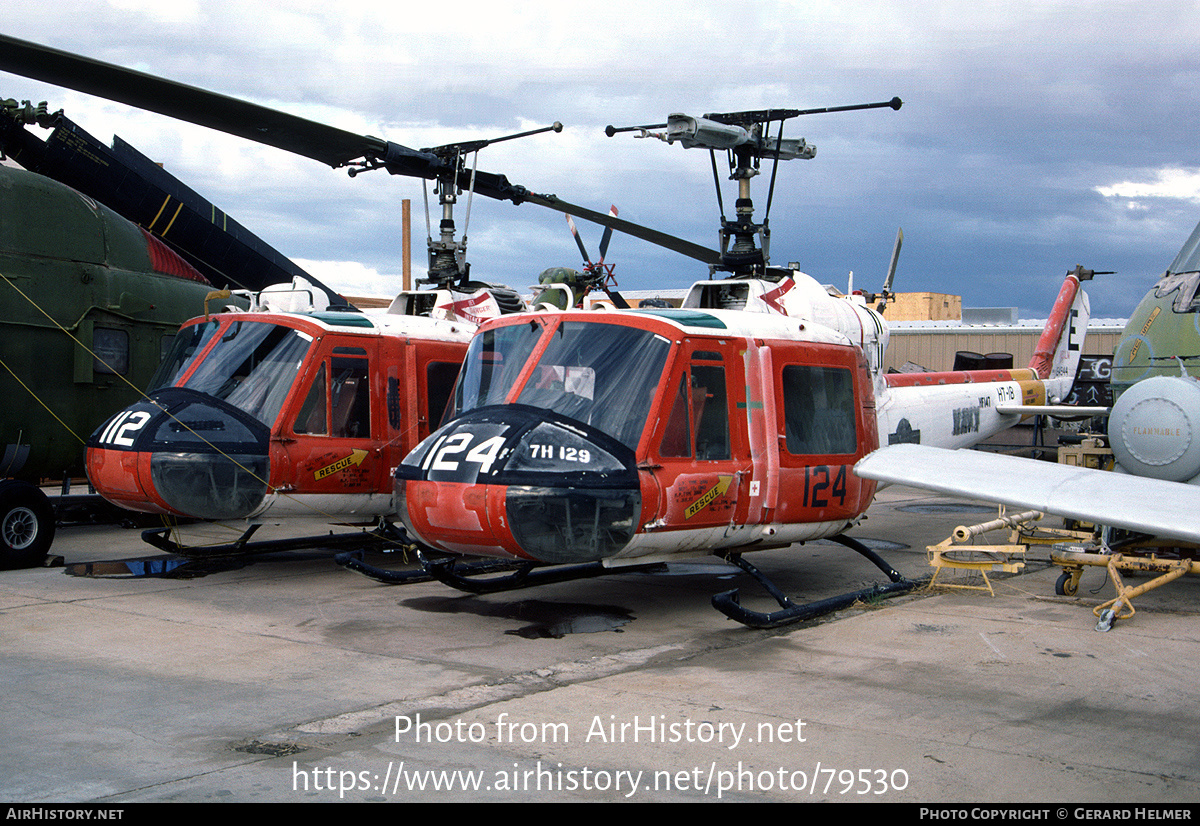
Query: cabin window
point(348, 412)
point(312, 418)
point(677, 439)
point(261, 382)
point(252, 366)
point(349, 398)
point(439, 384)
point(603, 375)
point(710, 411)
point(818, 410)
point(493, 362)
point(112, 351)
point(699, 421)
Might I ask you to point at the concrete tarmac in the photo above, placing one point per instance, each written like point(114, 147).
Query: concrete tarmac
point(294, 680)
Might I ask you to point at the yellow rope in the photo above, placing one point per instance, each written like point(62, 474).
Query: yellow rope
point(42, 403)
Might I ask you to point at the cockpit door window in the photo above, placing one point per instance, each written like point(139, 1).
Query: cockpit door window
point(338, 402)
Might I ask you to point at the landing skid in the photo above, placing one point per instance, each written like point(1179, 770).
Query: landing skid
point(384, 536)
point(522, 574)
point(474, 577)
point(727, 602)
point(490, 576)
point(353, 561)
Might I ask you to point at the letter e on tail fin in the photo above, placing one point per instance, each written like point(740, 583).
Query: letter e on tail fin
point(1061, 343)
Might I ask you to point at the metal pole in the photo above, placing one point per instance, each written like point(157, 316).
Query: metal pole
point(406, 233)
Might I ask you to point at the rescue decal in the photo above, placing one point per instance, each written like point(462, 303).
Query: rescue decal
point(709, 496)
point(356, 457)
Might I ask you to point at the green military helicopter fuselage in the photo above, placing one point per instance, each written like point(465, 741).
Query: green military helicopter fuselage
point(89, 302)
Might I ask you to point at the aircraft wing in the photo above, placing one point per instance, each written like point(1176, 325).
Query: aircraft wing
point(1151, 506)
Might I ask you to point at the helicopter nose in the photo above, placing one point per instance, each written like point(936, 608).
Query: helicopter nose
point(184, 453)
point(516, 481)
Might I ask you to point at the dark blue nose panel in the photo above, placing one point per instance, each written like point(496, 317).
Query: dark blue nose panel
point(208, 459)
point(571, 491)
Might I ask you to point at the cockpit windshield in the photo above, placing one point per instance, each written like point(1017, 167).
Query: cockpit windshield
point(603, 375)
point(1188, 259)
point(252, 366)
point(494, 361)
point(189, 342)
point(1185, 285)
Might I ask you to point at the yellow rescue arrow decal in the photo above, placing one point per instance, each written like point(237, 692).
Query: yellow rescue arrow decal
point(356, 457)
point(708, 497)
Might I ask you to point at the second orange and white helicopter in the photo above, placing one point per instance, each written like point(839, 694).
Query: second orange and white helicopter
point(584, 442)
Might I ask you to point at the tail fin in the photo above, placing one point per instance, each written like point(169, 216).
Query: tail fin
point(1058, 349)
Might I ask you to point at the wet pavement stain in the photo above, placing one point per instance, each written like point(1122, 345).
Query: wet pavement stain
point(271, 749)
point(545, 620)
point(181, 567)
point(1066, 654)
point(166, 567)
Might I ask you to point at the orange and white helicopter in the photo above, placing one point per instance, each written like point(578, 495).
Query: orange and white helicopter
point(584, 442)
point(299, 407)
point(276, 411)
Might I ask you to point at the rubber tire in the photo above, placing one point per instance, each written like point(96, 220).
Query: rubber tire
point(1062, 585)
point(26, 525)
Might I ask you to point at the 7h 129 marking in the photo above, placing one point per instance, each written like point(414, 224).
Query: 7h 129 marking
point(565, 454)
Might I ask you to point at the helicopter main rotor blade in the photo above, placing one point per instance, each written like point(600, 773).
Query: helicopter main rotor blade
point(891, 273)
point(618, 300)
point(662, 239)
point(321, 142)
point(318, 141)
point(887, 282)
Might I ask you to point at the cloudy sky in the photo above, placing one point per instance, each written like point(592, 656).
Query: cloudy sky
point(1034, 135)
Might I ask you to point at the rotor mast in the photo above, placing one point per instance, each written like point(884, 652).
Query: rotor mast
point(746, 137)
point(447, 256)
point(742, 255)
